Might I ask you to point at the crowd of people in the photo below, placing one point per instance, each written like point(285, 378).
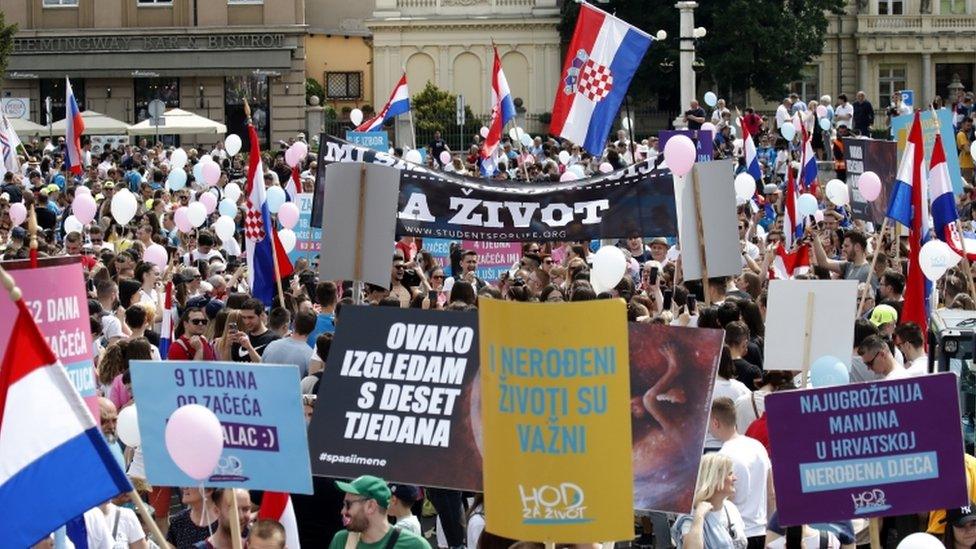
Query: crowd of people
point(734, 503)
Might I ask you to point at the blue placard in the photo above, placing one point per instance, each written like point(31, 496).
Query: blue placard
point(259, 407)
point(378, 141)
point(308, 239)
point(900, 125)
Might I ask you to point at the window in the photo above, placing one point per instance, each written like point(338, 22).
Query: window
point(50, 3)
point(166, 90)
point(256, 88)
point(245, 1)
point(54, 88)
point(808, 87)
point(343, 85)
point(952, 7)
point(155, 2)
point(891, 7)
point(891, 78)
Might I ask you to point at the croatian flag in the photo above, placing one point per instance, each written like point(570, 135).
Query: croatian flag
point(9, 142)
point(788, 265)
point(48, 475)
point(398, 104)
point(166, 330)
point(74, 127)
point(262, 239)
point(792, 224)
point(808, 173)
point(293, 185)
point(907, 207)
point(277, 506)
point(945, 217)
point(752, 159)
point(502, 108)
point(600, 63)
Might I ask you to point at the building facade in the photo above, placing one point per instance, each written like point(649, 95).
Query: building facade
point(339, 52)
point(203, 57)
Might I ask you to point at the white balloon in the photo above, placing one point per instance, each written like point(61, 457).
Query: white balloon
point(232, 191)
point(124, 206)
point(275, 198)
point(484, 131)
point(921, 540)
point(745, 186)
point(806, 204)
point(788, 131)
point(232, 143)
point(625, 123)
point(356, 117)
point(577, 170)
point(197, 214)
point(127, 426)
point(609, 266)
point(836, 191)
point(413, 156)
point(936, 258)
point(972, 149)
point(72, 225)
point(526, 140)
point(224, 227)
point(711, 99)
point(177, 159)
point(288, 239)
point(563, 157)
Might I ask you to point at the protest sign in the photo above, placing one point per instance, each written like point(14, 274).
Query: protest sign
point(308, 239)
point(672, 371)
point(397, 398)
point(808, 319)
point(494, 258)
point(703, 140)
point(352, 248)
point(867, 450)
point(378, 141)
point(259, 408)
point(556, 423)
point(900, 125)
point(870, 155)
point(54, 293)
point(432, 204)
point(707, 218)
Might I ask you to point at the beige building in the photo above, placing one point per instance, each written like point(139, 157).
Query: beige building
point(883, 46)
point(339, 51)
point(200, 56)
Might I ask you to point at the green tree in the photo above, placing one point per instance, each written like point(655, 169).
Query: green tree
point(434, 110)
point(759, 44)
point(7, 33)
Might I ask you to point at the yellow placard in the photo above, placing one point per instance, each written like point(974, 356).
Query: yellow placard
point(555, 381)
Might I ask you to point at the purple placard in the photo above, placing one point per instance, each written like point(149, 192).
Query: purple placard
point(250, 437)
point(703, 140)
point(867, 449)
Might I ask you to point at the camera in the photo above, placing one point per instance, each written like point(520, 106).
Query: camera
point(411, 278)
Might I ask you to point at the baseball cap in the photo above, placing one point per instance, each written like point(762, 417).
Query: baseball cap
point(407, 493)
point(883, 314)
point(770, 188)
point(18, 233)
point(369, 487)
point(660, 240)
point(960, 516)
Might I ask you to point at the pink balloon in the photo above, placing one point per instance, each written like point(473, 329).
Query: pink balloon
point(156, 255)
point(211, 172)
point(301, 150)
point(84, 207)
point(182, 220)
point(209, 201)
point(606, 167)
point(18, 213)
point(291, 157)
point(194, 440)
point(821, 111)
point(568, 176)
point(869, 185)
point(818, 216)
point(679, 153)
point(445, 157)
point(288, 215)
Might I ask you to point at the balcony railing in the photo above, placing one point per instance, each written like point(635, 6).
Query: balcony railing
point(469, 6)
point(915, 24)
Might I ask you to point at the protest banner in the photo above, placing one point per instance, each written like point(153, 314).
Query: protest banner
point(378, 141)
point(703, 140)
point(870, 155)
point(808, 319)
point(900, 125)
point(353, 249)
point(867, 450)
point(556, 423)
point(706, 214)
point(672, 371)
point(494, 258)
point(55, 294)
point(259, 408)
point(308, 239)
point(397, 399)
point(637, 199)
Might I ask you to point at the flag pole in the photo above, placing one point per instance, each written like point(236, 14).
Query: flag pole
point(630, 129)
point(273, 235)
point(877, 250)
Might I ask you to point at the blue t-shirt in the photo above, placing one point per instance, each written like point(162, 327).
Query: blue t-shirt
point(324, 324)
point(59, 180)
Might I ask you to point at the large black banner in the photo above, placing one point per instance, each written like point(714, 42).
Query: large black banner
point(870, 155)
point(636, 200)
point(399, 399)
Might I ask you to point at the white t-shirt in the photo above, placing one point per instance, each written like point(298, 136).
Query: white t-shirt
point(98, 534)
point(898, 372)
point(127, 530)
point(197, 256)
point(409, 524)
point(732, 389)
point(844, 115)
point(919, 366)
point(782, 115)
point(111, 327)
point(746, 407)
point(751, 465)
point(476, 525)
point(809, 542)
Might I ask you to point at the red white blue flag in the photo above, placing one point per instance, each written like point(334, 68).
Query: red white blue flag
point(398, 104)
point(74, 127)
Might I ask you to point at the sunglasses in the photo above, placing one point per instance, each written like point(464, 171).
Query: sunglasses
point(438, 276)
point(870, 363)
point(399, 267)
point(199, 321)
point(346, 504)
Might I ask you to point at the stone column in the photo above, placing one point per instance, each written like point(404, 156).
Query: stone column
point(862, 74)
point(927, 88)
point(686, 57)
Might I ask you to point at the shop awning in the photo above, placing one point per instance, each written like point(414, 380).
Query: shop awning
point(25, 127)
point(180, 122)
point(95, 124)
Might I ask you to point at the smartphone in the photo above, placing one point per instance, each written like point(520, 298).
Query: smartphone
point(668, 296)
point(691, 305)
point(652, 276)
point(232, 328)
point(432, 296)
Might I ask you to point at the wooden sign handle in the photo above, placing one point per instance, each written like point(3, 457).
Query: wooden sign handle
point(807, 337)
point(700, 228)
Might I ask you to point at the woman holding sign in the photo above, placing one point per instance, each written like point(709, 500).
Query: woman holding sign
point(715, 522)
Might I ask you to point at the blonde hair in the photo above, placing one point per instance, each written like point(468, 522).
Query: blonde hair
point(712, 472)
point(223, 346)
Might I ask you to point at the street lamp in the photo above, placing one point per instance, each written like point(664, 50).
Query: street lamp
point(688, 63)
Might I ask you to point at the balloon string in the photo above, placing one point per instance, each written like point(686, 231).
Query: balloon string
point(206, 516)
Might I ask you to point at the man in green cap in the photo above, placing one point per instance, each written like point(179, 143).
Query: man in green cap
point(364, 516)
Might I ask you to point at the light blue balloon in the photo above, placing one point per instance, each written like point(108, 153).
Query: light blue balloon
point(828, 371)
point(176, 180)
point(228, 208)
point(275, 198)
point(788, 131)
point(806, 204)
point(198, 173)
point(824, 124)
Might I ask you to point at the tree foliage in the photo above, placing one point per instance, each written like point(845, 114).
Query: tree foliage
point(434, 110)
point(7, 33)
point(759, 44)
